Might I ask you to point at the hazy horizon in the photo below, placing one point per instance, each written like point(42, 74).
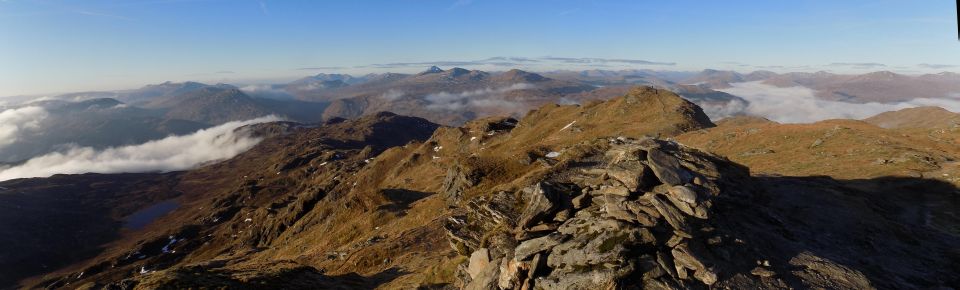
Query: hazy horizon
point(105, 45)
point(414, 70)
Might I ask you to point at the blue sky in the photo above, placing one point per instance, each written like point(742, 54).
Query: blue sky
point(51, 46)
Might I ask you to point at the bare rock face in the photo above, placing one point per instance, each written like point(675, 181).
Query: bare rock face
point(457, 178)
point(633, 214)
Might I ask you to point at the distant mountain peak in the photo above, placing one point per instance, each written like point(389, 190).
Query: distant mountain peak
point(432, 70)
point(521, 76)
point(879, 76)
point(456, 71)
point(883, 73)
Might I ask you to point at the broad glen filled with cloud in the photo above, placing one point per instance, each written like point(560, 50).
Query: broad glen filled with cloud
point(479, 144)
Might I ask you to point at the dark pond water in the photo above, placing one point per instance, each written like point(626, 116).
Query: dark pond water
point(145, 216)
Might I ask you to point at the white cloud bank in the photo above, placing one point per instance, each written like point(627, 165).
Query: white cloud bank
point(800, 104)
point(392, 94)
point(14, 122)
point(485, 98)
point(167, 154)
point(717, 111)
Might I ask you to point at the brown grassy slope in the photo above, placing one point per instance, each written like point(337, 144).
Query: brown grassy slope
point(273, 185)
point(921, 117)
point(838, 148)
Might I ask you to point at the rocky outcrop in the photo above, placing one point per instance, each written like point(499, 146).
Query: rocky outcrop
point(458, 178)
point(634, 212)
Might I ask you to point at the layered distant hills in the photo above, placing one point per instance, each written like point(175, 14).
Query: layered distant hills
point(453, 97)
point(456, 95)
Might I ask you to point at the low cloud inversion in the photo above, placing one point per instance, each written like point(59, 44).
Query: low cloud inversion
point(14, 122)
point(167, 154)
point(800, 104)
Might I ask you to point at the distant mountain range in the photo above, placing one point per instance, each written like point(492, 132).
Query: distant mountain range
point(446, 96)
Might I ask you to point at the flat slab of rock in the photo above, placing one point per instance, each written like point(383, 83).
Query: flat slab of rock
point(629, 173)
point(670, 213)
point(667, 168)
point(479, 261)
point(684, 194)
point(541, 202)
point(531, 247)
point(685, 258)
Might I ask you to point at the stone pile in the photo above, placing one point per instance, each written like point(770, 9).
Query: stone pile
point(632, 215)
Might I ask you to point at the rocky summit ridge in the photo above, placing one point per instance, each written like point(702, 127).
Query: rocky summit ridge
point(625, 214)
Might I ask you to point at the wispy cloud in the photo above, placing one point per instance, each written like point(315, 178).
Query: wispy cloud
point(734, 63)
point(99, 14)
point(438, 63)
point(150, 2)
point(783, 67)
point(320, 68)
point(65, 8)
point(568, 12)
point(858, 65)
point(936, 65)
point(267, 92)
point(504, 61)
point(511, 59)
point(392, 94)
point(222, 72)
point(593, 60)
point(263, 7)
point(483, 98)
point(460, 3)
